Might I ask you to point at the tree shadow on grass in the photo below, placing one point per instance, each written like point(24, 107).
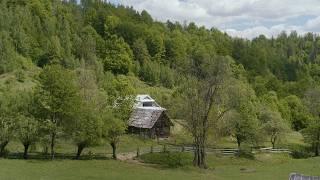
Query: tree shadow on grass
point(58, 156)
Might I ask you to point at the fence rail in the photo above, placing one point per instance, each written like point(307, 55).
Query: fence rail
point(222, 151)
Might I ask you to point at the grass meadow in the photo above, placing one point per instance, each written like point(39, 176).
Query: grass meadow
point(265, 166)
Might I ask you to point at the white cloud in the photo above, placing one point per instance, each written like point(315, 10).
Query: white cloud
point(245, 18)
point(313, 24)
point(258, 30)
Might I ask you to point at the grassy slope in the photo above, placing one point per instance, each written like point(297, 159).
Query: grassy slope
point(20, 79)
point(265, 167)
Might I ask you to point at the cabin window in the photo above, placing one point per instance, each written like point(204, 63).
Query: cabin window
point(147, 104)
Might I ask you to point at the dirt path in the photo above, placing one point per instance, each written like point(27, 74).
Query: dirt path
point(126, 156)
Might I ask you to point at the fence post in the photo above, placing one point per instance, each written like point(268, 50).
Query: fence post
point(182, 149)
point(151, 149)
point(164, 148)
point(138, 151)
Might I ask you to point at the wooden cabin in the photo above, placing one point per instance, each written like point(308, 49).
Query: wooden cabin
point(149, 119)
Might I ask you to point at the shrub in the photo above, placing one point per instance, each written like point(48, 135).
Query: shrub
point(5, 153)
point(167, 159)
point(244, 153)
point(175, 160)
point(301, 152)
point(20, 76)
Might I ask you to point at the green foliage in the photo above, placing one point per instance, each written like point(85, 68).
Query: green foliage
point(298, 114)
point(116, 113)
point(8, 57)
point(242, 121)
point(86, 127)
point(9, 109)
point(20, 76)
point(118, 56)
point(115, 128)
point(167, 159)
point(28, 130)
point(27, 125)
point(245, 153)
point(312, 131)
point(155, 44)
point(140, 51)
point(273, 125)
point(57, 93)
point(301, 152)
point(57, 100)
point(91, 54)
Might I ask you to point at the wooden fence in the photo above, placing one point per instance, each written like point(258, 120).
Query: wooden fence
point(222, 151)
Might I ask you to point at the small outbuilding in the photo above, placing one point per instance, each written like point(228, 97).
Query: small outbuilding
point(149, 119)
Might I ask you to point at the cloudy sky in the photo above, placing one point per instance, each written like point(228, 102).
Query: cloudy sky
point(243, 18)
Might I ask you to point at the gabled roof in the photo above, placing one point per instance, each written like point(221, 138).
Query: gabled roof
point(145, 117)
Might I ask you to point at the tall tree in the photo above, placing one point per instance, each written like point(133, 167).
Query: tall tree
point(117, 112)
point(7, 120)
point(57, 97)
point(203, 105)
point(118, 56)
point(87, 126)
point(140, 51)
point(28, 127)
point(312, 131)
point(243, 122)
point(273, 125)
point(28, 132)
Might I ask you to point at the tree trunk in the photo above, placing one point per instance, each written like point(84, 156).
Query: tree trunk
point(25, 153)
point(45, 150)
point(203, 163)
point(2, 148)
point(80, 149)
point(238, 142)
point(53, 138)
point(114, 150)
point(196, 152)
point(317, 145)
point(196, 156)
point(138, 152)
point(273, 140)
point(199, 159)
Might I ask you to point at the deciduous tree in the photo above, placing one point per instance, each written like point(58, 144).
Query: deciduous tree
point(203, 105)
point(57, 97)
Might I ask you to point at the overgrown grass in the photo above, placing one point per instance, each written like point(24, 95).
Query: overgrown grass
point(168, 159)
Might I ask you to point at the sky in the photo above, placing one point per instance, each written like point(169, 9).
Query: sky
point(241, 18)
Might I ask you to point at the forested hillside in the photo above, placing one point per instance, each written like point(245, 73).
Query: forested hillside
point(85, 57)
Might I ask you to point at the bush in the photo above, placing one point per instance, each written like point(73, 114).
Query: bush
point(245, 154)
point(5, 153)
point(167, 159)
point(20, 76)
point(301, 152)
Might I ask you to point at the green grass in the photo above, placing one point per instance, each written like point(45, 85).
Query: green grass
point(266, 166)
point(168, 159)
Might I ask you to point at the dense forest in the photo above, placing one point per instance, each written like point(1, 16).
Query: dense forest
point(67, 70)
